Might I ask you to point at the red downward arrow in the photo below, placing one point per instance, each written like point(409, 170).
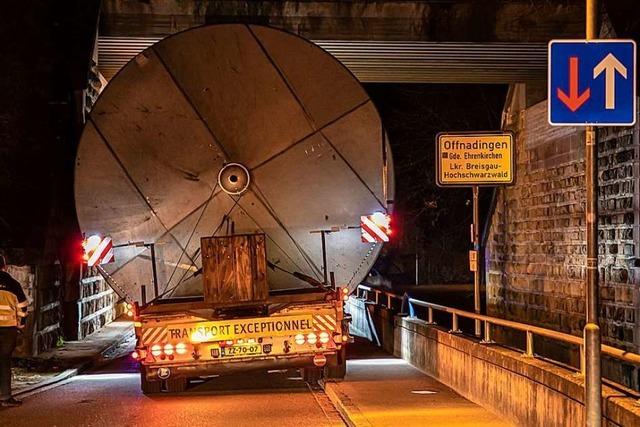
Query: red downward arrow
point(573, 101)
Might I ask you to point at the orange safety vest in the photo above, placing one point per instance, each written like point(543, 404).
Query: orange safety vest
point(10, 309)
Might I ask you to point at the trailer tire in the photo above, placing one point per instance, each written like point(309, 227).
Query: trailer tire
point(339, 370)
point(175, 385)
point(149, 386)
point(311, 375)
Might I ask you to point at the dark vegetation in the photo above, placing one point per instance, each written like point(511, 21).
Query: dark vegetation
point(432, 219)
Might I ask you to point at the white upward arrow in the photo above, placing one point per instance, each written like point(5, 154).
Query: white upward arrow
point(610, 65)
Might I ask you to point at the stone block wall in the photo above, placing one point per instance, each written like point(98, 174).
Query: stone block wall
point(535, 252)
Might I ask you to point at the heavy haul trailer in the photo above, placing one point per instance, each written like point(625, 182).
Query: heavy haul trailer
point(238, 142)
point(239, 324)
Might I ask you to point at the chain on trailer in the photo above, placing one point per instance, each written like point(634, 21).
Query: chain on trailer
point(115, 286)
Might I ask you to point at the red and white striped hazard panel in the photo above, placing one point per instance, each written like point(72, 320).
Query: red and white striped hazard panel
point(98, 250)
point(375, 228)
point(154, 335)
point(324, 322)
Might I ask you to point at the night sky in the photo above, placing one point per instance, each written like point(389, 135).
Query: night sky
point(439, 218)
point(45, 58)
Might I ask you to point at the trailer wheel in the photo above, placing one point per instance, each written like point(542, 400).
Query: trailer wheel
point(339, 370)
point(175, 385)
point(311, 375)
point(149, 386)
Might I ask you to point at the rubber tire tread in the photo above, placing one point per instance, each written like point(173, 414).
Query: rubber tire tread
point(339, 371)
point(149, 387)
point(175, 385)
point(312, 375)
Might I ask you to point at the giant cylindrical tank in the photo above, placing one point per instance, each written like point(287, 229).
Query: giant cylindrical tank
point(232, 129)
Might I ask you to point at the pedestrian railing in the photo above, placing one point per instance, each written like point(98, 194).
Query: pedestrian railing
point(379, 296)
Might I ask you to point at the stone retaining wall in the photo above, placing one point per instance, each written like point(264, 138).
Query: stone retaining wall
point(536, 248)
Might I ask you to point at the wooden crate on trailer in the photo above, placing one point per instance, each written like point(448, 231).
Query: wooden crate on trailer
point(235, 270)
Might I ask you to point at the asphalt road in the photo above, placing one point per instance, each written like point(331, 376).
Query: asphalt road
point(111, 396)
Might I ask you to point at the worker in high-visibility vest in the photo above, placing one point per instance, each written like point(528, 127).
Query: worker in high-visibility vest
point(13, 312)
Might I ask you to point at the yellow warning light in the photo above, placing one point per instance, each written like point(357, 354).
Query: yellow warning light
point(156, 350)
point(324, 337)
point(312, 338)
point(168, 349)
point(181, 348)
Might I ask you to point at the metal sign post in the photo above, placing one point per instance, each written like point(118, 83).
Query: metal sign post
point(592, 83)
point(474, 159)
point(593, 379)
point(476, 248)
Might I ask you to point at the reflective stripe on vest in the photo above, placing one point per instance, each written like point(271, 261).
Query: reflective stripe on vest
point(8, 321)
point(9, 310)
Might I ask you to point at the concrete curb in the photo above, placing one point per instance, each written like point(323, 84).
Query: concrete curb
point(34, 388)
point(68, 373)
point(350, 412)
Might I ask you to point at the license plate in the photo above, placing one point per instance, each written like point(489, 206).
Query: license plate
point(237, 351)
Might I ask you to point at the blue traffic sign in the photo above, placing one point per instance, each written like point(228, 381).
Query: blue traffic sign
point(592, 82)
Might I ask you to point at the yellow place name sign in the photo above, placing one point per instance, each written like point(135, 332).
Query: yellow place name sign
point(466, 159)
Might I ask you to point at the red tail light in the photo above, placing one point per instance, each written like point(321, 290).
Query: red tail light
point(319, 360)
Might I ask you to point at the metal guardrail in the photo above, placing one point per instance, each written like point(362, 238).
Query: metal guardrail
point(530, 330)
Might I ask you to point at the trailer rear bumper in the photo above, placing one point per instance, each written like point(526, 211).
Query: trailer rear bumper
point(223, 367)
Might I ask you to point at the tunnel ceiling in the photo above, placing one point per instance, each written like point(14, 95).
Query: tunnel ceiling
point(406, 41)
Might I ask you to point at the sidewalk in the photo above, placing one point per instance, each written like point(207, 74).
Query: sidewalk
point(74, 356)
point(380, 390)
point(80, 353)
